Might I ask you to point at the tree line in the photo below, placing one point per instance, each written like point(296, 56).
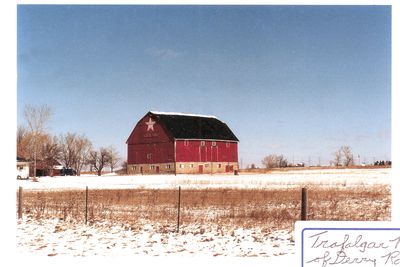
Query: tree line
point(72, 150)
point(342, 157)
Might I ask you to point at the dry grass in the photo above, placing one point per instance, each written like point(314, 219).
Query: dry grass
point(273, 209)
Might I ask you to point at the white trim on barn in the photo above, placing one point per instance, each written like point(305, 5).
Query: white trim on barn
point(182, 114)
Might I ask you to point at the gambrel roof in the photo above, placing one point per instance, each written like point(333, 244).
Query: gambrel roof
point(193, 126)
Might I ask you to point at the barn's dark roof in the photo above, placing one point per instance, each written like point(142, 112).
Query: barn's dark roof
point(192, 126)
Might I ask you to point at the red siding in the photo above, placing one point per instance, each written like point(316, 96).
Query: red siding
point(144, 134)
point(192, 151)
point(150, 153)
point(149, 137)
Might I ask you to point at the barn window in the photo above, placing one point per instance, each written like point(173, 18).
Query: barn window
point(202, 143)
point(181, 166)
point(186, 143)
point(134, 168)
point(219, 165)
point(228, 144)
point(149, 156)
point(206, 165)
point(214, 143)
point(152, 167)
point(168, 166)
point(191, 165)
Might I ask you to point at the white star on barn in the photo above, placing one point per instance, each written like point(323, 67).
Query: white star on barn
point(150, 125)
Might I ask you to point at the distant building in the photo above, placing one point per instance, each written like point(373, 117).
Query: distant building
point(164, 142)
point(46, 168)
point(22, 168)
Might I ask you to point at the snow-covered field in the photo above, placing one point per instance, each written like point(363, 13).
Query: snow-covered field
point(53, 237)
point(286, 179)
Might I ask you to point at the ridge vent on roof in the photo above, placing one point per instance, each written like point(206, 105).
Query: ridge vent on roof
point(182, 114)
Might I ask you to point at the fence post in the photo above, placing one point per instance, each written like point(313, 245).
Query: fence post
point(20, 202)
point(179, 209)
point(86, 204)
point(304, 204)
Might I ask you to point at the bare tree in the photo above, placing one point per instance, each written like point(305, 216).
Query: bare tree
point(32, 146)
point(115, 159)
point(337, 158)
point(282, 162)
point(83, 148)
point(124, 166)
point(22, 141)
point(348, 159)
point(269, 161)
point(68, 151)
point(51, 153)
point(36, 118)
point(99, 159)
point(343, 156)
point(274, 161)
point(74, 151)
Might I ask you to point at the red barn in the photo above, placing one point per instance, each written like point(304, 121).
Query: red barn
point(164, 142)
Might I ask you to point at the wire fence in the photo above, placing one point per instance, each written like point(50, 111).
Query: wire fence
point(277, 208)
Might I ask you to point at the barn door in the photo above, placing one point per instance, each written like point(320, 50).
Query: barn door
point(157, 169)
point(200, 168)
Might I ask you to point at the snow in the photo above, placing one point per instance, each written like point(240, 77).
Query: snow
point(54, 239)
point(182, 114)
point(278, 179)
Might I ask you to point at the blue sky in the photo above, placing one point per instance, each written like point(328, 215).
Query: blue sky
point(294, 80)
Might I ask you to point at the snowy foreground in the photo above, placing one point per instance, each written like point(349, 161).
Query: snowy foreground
point(55, 239)
point(51, 237)
point(51, 241)
point(283, 179)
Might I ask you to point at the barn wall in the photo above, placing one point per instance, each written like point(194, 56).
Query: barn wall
point(193, 151)
point(150, 153)
point(144, 133)
point(183, 168)
point(149, 143)
point(157, 168)
point(206, 167)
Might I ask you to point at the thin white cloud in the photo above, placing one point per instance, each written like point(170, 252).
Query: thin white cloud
point(164, 53)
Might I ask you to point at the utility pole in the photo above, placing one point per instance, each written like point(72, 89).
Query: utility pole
point(34, 164)
point(34, 154)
